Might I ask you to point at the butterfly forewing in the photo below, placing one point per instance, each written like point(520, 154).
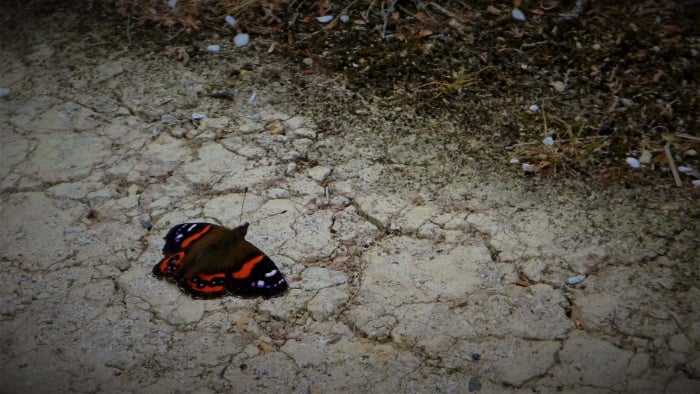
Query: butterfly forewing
point(183, 235)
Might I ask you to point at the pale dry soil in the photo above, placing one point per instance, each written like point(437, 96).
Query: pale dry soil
point(413, 266)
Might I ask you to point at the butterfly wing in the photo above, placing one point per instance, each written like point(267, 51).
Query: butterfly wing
point(183, 235)
point(169, 266)
point(207, 260)
point(203, 285)
point(256, 276)
point(178, 239)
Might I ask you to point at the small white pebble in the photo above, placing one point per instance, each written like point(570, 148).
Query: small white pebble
point(534, 108)
point(167, 118)
point(685, 170)
point(213, 48)
point(344, 18)
point(196, 116)
point(549, 141)
point(575, 279)
point(253, 97)
point(324, 19)
point(241, 40)
point(696, 182)
point(645, 157)
point(632, 162)
point(559, 86)
point(230, 20)
point(517, 15)
point(172, 3)
point(528, 167)
point(514, 161)
point(4, 92)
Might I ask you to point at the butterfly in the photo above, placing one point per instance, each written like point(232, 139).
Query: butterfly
point(207, 260)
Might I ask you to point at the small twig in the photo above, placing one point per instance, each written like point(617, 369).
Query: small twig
point(688, 137)
point(386, 14)
point(594, 137)
point(544, 119)
point(128, 29)
point(671, 162)
point(442, 9)
point(511, 147)
point(365, 14)
point(67, 257)
point(533, 44)
point(345, 10)
point(567, 78)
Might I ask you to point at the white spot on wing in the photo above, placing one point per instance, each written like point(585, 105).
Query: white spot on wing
point(271, 273)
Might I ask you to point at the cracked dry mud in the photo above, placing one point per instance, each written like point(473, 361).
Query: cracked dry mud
point(403, 266)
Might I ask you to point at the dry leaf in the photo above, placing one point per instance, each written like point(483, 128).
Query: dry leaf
point(266, 347)
point(672, 29)
point(423, 18)
point(274, 127)
point(658, 75)
point(243, 321)
point(493, 10)
point(333, 24)
point(522, 282)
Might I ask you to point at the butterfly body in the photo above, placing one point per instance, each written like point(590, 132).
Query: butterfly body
point(207, 260)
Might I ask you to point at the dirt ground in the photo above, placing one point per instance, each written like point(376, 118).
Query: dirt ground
point(419, 258)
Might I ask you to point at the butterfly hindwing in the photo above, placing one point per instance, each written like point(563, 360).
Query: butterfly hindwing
point(258, 276)
point(204, 285)
point(170, 265)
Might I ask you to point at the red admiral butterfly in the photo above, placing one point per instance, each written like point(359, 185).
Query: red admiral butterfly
point(207, 260)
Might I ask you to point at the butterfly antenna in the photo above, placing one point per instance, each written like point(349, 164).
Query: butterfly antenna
point(240, 217)
point(269, 216)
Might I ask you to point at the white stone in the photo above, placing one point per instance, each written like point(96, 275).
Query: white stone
point(320, 173)
point(517, 15)
point(241, 40)
point(632, 162)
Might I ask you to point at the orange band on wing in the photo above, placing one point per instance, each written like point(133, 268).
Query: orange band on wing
point(209, 289)
point(195, 237)
point(209, 277)
point(169, 265)
point(246, 269)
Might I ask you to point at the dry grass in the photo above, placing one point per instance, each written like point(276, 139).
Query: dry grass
point(628, 68)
